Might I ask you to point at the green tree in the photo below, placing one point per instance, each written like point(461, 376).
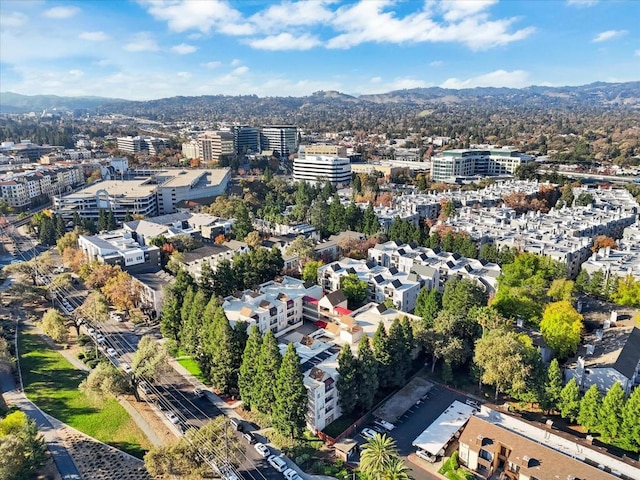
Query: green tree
point(630, 429)
point(54, 325)
point(382, 355)
point(400, 354)
point(500, 357)
point(561, 326)
point(488, 318)
point(376, 455)
point(627, 292)
point(104, 379)
point(553, 386)
point(171, 320)
point(150, 361)
point(347, 380)
point(242, 225)
point(370, 223)
point(561, 289)
point(248, 369)
point(367, 375)
point(301, 247)
point(610, 413)
point(224, 279)
point(461, 295)
point(268, 363)
point(218, 346)
point(290, 404)
point(22, 449)
point(428, 304)
point(336, 222)
point(354, 289)
point(310, 271)
point(191, 333)
point(588, 416)
point(569, 402)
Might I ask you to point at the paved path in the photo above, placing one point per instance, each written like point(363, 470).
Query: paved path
point(59, 453)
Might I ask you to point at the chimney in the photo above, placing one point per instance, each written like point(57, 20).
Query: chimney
point(520, 322)
point(479, 440)
point(599, 334)
point(590, 349)
point(589, 439)
point(614, 316)
point(550, 423)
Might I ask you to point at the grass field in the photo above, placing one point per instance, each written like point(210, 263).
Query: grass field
point(192, 366)
point(52, 382)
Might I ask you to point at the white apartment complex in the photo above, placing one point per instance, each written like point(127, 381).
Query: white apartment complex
point(133, 145)
point(321, 168)
point(119, 247)
point(451, 165)
point(22, 189)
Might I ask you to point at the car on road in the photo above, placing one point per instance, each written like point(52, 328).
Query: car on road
point(173, 418)
point(290, 474)
point(126, 367)
point(262, 449)
point(278, 463)
point(198, 393)
point(145, 387)
point(367, 433)
point(249, 437)
point(91, 331)
point(100, 338)
point(111, 352)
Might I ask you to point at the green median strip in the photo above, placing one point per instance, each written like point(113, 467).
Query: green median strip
point(51, 382)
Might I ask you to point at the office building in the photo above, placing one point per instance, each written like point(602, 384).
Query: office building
point(321, 149)
point(279, 139)
point(321, 168)
point(138, 144)
point(213, 145)
point(120, 247)
point(246, 139)
point(454, 165)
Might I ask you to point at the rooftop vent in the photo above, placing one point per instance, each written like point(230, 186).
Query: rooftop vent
point(599, 335)
point(590, 349)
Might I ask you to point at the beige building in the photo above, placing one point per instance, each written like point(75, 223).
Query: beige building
point(324, 149)
point(213, 145)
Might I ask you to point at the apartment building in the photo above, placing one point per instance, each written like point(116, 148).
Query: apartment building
point(212, 146)
point(321, 168)
point(25, 149)
point(280, 139)
point(620, 262)
point(382, 283)
point(322, 394)
point(152, 288)
point(212, 255)
point(191, 149)
point(120, 247)
point(452, 165)
point(274, 306)
point(138, 144)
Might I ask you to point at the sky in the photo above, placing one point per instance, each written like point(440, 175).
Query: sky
point(148, 49)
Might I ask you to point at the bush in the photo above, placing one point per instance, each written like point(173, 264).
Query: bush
point(92, 363)
point(84, 340)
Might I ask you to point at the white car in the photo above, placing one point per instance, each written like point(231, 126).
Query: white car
point(100, 338)
point(262, 449)
point(145, 388)
point(198, 393)
point(126, 367)
point(290, 474)
point(277, 463)
point(368, 433)
point(91, 331)
point(173, 418)
point(111, 352)
point(386, 425)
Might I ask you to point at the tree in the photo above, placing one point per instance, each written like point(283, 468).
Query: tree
point(248, 368)
point(6, 360)
point(104, 379)
point(354, 289)
point(461, 295)
point(336, 221)
point(367, 370)
point(347, 380)
point(193, 331)
point(400, 353)
point(382, 355)
point(376, 455)
point(122, 291)
point(150, 360)
point(589, 408)
point(500, 357)
point(428, 304)
point(569, 401)
point(268, 363)
point(396, 469)
point(224, 279)
point(602, 241)
point(630, 429)
point(22, 449)
point(310, 271)
point(54, 325)
point(171, 320)
point(627, 292)
point(488, 318)
point(69, 239)
point(242, 225)
point(561, 289)
point(95, 307)
point(450, 338)
point(610, 413)
point(253, 239)
point(553, 386)
point(218, 346)
point(290, 404)
point(301, 247)
point(561, 326)
point(370, 223)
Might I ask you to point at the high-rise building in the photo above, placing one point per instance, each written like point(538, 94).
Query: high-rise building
point(321, 168)
point(452, 164)
point(282, 139)
point(191, 149)
point(213, 145)
point(138, 144)
point(246, 139)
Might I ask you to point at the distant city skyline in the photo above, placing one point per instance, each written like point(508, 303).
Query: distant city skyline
point(142, 50)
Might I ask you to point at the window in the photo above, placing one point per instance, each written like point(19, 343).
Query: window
point(485, 455)
point(514, 467)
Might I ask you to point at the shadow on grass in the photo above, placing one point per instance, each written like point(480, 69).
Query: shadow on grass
point(130, 448)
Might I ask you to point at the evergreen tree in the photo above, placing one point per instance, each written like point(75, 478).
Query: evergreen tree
point(60, 228)
point(128, 217)
point(190, 336)
point(461, 295)
point(407, 330)
point(206, 282)
point(553, 386)
point(370, 224)
point(630, 429)
point(383, 356)
point(248, 369)
point(111, 221)
point(77, 221)
point(224, 280)
point(367, 375)
point(569, 403)
point(219, 346)
point(589, 407)
point(171, 319)
point(242, 225)
point(268, 364)
point(347, 380)
point(400, 356)
point(428, 304)
point(185, 310)
point(610, 413)
point(290, 404)
point(336, 222)
point(102, 220)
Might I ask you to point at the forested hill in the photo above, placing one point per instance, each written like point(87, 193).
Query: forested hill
point(337, 110)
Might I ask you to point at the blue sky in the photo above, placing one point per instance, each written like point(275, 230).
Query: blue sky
point(151, 49)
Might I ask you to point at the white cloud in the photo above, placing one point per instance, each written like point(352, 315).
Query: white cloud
point(98, 36)
point(608, 35)
point(582, 3)
point(499, 78)
point(376, 80)
point(183, 49)
point(61, 12)
point(184, 75)
point(13, 20)
point(142, 42)
point(287, 14)
point(285, 41)
point(465, 22)
point(212, 65)
point(235, 62)
point(404, 83)
point(183, 15)
point(240, 71)
point(436, 63)
point(76, 73)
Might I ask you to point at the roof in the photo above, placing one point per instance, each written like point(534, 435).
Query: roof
point(154, 280)
point(535, 459)
point(204, 252)
point(336, 297)
point(619, 349)
point(442, 430)
point(630, 355)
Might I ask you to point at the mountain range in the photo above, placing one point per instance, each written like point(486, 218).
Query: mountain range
point(595, 95)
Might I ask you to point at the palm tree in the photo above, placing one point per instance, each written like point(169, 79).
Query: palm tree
point(396, 470)
point(376, 454)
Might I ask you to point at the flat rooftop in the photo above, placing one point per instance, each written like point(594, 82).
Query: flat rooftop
point(185, 178)
point(443, 428)
point(117, 188)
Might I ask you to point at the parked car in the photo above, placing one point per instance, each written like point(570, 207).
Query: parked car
point(472, 403)
point(426, 456)
point(145, 387)
point(249, 437)
point(236, 424)
point(91, 331)
point(290, 474)
point(278, 463)
point(377, 428)
point(126, 367)
point(384, 424)
point(111, 352)
point(100, 338)
point(198, 393)
point(367, 433)
point(262, 449)
point(173, 418)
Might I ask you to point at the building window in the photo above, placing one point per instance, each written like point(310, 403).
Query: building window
point(514, 467)
point(485, 455)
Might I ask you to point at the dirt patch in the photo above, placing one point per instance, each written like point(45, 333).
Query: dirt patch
point(150, 416)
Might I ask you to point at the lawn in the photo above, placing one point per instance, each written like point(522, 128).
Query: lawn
point(52, 383)
point(192, 366)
